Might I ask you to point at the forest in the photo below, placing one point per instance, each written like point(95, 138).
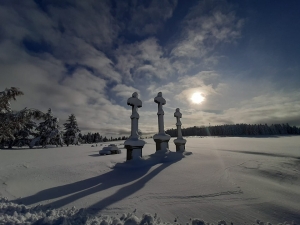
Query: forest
point(238, 130)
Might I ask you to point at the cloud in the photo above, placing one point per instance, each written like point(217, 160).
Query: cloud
point(269, 110)
point(181, 90)
point(75, 37)
point(76, 52)
point(25, 20)
point(274, 107)
point(167, 89)
point(142, 61)
point(228, 100)
point(83, 81)
point(71, 32)
point(124, 91)
point(90, 21)
point(207, 25)
point(144, 18)
point(46, 84)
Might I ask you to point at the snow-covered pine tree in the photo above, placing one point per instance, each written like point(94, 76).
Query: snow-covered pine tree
point(24, 136)
point(11, 123)
point(48, 131)
point(71, 135)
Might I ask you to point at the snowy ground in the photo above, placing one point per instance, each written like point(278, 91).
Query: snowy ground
point(238, 180)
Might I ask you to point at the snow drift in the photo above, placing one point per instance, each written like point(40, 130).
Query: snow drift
point(11, 213)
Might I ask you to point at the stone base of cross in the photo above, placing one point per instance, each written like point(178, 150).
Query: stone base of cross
point(180, 144)
point(161, 141)
point(134, 148)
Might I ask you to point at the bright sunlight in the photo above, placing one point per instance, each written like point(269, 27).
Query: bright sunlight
point(197, 98)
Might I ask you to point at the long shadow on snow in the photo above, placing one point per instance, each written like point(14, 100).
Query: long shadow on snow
point(261, 153)
point(80, 189)
point(101, 182)
point(126, 191)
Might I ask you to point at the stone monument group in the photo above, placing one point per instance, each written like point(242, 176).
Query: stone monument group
point(134, 144)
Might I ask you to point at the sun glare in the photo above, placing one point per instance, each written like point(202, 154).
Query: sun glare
point(197, 98)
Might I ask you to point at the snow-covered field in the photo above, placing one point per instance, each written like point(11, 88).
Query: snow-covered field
point(239, 180)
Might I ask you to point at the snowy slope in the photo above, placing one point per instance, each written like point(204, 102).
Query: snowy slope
point(235, 179)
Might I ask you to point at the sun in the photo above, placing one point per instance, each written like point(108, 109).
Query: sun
point(197, 98)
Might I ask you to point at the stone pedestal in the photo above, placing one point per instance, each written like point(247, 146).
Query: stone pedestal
point(161, 138)
point(134, 144)
point(180, 144)
point(161, 141)
point(179, 141)
point(134, 148)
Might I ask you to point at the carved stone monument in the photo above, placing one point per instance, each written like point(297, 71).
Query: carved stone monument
point(161, 139)
point(179, 141)
point(134, 144)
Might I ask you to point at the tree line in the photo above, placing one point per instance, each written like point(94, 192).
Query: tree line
point(238, 130)
point(19, 128)
point(90, 138)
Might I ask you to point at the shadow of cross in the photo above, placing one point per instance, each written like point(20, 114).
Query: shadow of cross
point(129, 190)
point(110, 179)
point(69, 193)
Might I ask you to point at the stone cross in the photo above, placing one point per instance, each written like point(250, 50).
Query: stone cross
point(161, 139)
point(135, 103)
point(160, 101)
point(179, 141)
point(178, 115)
point(133, 144)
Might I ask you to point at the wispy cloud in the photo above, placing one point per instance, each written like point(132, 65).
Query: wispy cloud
point(124, 91)
point(207, 25)
point(142, 61)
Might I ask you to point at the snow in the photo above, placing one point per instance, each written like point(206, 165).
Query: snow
point(237, 180)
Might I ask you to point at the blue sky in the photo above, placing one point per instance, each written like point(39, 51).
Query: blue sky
point(88, 57)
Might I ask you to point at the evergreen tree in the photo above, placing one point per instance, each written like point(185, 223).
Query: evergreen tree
point(71, 135)
point(11, 123)
point(48, 131)
point(105, 139)
point(50, 123)
point(24, 136)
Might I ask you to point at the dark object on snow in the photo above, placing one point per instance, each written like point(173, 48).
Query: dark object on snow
point(109, 150)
